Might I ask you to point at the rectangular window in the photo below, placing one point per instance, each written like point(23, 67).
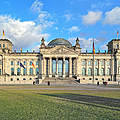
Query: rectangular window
point(83, 62)
point(0, 62)
point(12, 71)
point(96, 62)
point(30, 62)
point(24, 62)
point(90, 62)
point(36, 62)
point(0, 45)
point(102, 62)
point(3, 45)
point(0, 72)
point(18, 62)
point(11, 62)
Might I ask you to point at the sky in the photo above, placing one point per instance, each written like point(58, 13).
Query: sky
point(25, 22)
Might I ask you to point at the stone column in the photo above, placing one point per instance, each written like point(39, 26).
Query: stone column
point(70, 67)
point(76, 66)
point(86, 66)
point(44, 66)
point(56, 67)
point(50, 67)
point(105, 67)
point(64, 67)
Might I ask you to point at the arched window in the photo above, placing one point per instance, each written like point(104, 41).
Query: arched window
point(96, 71)
point(24, 71)
point(83, 71)
point(18, 71)
point(102, 71)
point(108, 71)
point(31, 71)
point(90, 71)
point(37, 71)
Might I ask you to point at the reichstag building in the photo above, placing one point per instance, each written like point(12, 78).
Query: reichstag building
point(59, 63)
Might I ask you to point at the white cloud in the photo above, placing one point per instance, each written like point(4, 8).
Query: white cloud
point(68, 17)
point(85, 44)
point(91, 17)
point(74, 29)
point(23, 34)
point(104, 47)
point(112, 17)
point(37, 6)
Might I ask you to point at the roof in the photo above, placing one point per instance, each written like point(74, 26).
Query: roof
point(59, 41)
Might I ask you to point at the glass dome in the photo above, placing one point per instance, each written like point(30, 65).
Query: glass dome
point(59, 41)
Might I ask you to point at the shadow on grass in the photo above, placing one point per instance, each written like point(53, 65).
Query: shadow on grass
point(90, 100)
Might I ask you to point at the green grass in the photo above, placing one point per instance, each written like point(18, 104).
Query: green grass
point(29, 104)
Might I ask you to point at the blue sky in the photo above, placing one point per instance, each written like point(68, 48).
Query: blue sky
point(25, 22)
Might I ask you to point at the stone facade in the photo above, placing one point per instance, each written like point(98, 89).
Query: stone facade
point(59, 59)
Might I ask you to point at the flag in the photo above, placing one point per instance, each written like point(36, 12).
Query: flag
point(33, 65)
point(21, 65)
point(117, 34)
point(93, 48)
point(3, 33)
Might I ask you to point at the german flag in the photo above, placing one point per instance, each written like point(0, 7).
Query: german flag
point(33, 65)
point(93, 48)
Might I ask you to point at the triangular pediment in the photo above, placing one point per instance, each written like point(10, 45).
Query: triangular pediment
point(62, 50)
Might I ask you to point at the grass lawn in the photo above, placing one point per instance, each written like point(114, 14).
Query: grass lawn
point(37, 104)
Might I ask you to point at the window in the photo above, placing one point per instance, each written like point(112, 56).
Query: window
point(0, 72)
point(31, 71)
point(96, 62)
point(119, 70)
point(24, 79)
point(0, 45)
point(11, 79)
point(3, 45)
point(89, 71)
point(24, 63)
point(17, 79)
point(24, 71)
point(18, 62)
point(12, 71)
point(102, 62)
point(83, 71)
point(83, 62)
point(11, 62)
point(119, 62)
point(102, 71)
point(37, 71)
point(18, 71)
point(36, 62)
point(108, 62)
point(90, 62)
point(90, 78)
point(30, 62)
point(96, 78)
point(108, 71)
point(0, 62)
point(96, 71)
point(30, 78)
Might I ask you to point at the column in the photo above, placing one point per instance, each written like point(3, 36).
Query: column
point(112, 69)
point(56, 67)
point(86, 67)
point(44, 66)
point(70, 67)
point(64, 67)
point(105, 65)
point(76, 66)
point(50, 67)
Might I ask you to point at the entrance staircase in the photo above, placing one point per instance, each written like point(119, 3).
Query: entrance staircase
point(60, 81)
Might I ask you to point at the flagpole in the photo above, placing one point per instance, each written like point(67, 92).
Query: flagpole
point(93, 61)
point(93, 67)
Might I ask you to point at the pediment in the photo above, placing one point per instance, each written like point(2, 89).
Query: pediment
point(62, 50)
